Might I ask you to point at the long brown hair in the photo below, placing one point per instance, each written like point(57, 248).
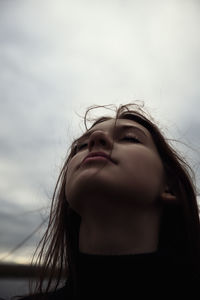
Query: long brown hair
point(180, 227)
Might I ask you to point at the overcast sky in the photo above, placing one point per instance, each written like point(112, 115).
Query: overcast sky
point(57, 58)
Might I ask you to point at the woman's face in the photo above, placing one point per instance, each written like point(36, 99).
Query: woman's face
point(135, 176)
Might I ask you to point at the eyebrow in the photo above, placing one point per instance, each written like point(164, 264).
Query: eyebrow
point(118, 128)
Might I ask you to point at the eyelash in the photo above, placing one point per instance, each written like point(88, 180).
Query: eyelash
point(131, 138)
point(80, 146)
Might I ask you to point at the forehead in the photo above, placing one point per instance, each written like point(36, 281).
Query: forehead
point(109, 125)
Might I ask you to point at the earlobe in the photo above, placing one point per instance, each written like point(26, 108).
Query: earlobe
point(168, 198)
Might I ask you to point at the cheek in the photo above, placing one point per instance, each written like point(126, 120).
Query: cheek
point(72, 166)
point(69, 178)
point(69, 172)
point(144, 170)
point(72, 184)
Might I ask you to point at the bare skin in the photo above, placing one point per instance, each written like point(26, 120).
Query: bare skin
point(120, 202)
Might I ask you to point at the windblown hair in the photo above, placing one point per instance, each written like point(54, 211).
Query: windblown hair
point(180, 226)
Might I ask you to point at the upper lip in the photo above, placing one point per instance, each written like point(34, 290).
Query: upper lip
point(91, 154)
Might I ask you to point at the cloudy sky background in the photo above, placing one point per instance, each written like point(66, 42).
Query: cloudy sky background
point(57, 58)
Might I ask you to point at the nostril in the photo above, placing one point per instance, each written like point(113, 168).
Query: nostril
point(103, 142)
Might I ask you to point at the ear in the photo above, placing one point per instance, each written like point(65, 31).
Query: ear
point(168, 197)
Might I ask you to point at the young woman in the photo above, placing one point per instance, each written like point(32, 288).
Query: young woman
point(124, 217)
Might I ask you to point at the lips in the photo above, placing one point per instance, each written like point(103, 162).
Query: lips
point(98, 154)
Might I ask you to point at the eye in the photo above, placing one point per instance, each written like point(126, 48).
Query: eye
point(80, 146)
point(132, 139)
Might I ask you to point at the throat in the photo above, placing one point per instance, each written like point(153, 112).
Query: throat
point(119, 236)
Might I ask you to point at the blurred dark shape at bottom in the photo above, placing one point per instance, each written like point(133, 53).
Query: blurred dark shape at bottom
point(13, 286)
point(14, 279)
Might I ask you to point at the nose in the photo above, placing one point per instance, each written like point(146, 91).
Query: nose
point(99, 140)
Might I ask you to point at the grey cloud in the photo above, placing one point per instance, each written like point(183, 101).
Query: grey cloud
point(66, 59)
point(16, 224)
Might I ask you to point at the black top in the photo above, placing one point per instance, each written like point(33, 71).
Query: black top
point(125, 276)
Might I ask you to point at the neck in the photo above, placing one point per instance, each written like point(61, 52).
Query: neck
point(120, 231)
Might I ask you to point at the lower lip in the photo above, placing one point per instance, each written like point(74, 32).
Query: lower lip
point(95, 158)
